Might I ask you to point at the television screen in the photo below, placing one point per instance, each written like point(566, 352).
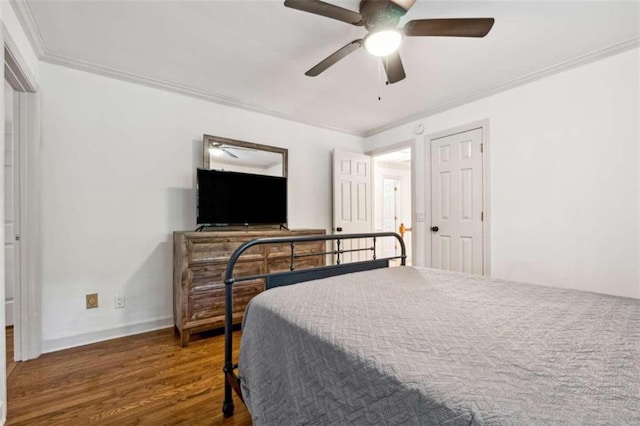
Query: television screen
point(233, 198)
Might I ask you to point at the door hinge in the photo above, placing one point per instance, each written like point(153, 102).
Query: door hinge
point(482, 147)
point(17, 237)
point(482, 216)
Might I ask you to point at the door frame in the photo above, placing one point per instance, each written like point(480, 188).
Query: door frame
point(28, 327)
point(486, 196)
point(409, 143)
point(16, 179)
point(397, 197)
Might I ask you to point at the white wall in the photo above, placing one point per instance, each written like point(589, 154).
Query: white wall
point(118, 175)
point(564, 165)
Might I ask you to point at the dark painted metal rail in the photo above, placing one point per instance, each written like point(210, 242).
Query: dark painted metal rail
point(291, 277)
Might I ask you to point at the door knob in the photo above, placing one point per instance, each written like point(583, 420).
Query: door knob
point(435, 228)
point(338, 229)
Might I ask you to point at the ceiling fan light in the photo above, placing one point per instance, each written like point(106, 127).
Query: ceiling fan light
point(216, 151)
point(383, 43)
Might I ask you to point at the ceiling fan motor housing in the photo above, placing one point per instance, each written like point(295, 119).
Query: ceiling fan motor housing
point(381, 18)
point(379, 14)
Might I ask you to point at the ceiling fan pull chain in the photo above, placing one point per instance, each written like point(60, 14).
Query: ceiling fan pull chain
point(378, 83)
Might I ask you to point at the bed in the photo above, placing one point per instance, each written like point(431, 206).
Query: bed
point(408, 345)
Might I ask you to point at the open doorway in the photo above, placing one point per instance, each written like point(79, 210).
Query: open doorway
point(11, 213)
point(21, 209)
point(392, 199)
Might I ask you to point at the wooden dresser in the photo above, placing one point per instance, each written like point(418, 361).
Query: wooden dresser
point(199, 263)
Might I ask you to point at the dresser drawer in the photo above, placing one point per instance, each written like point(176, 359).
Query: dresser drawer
point(282, 264)
point(220, 250)
point(211, 303)
point(301, 247)
point(212, 274)
point(200, 260)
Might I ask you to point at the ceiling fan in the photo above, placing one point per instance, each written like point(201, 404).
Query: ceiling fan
point(380, 18)
point(218, 150)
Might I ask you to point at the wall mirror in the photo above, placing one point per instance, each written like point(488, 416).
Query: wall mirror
point(247, 157)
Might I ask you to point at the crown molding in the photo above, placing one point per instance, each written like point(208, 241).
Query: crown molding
point(57, 59)
point(25, 17)
point(17, 73)
point(519, 81)
point(23, 12)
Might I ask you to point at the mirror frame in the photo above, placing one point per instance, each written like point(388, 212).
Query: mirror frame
point(208, 139)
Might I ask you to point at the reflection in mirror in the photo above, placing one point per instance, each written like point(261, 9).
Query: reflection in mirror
point(238, 156)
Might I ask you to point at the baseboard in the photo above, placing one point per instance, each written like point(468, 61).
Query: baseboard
point(8, 313)
point(138, 327)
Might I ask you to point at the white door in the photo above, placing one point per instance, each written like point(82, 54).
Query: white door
point(352, 182)
point(12, 202)
point(390, 215)
point(456, 202)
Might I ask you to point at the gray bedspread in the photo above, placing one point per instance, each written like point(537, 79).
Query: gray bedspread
point(428, 347)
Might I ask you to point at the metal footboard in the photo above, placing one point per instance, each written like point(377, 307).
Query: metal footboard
point(293, 276)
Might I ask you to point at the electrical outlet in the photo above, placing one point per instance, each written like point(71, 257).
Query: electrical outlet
point(118, 301)
point(92, 300)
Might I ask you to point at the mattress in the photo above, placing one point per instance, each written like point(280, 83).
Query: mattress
point(410, 345)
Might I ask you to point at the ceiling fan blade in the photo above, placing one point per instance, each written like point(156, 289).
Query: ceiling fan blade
point(334, 57)
point(325, 9)
point(462, 27)
point(229, 153)
point(393, 67)
point(239, 148)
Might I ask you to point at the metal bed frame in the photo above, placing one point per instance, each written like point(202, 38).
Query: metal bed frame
point(293, 276)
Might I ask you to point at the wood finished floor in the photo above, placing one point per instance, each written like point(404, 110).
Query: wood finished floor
point(146, 379)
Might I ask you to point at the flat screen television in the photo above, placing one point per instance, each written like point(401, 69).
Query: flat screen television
point(233, 198)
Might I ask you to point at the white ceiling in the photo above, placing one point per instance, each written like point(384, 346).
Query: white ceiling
point(254, 53)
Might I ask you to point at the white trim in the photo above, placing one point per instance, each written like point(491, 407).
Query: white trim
point(409, 143)
point(486, 198)
point(3, 351)
point(57, 59)
point(135, 327)
point(427, 200)
point(23, 12)
point(16, 172)
point(28, 340)
point(516, 82)
point(397, 206)
point(27, 326)
point(16, 71)
point(8, 312)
